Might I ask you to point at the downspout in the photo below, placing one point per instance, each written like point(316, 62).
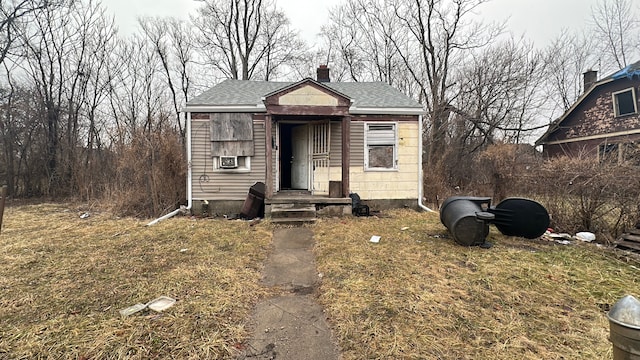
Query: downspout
point(189, 177)
point(189, 170)
point(420, 170)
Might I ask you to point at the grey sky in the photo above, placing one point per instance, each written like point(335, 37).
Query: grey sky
point(539, 20)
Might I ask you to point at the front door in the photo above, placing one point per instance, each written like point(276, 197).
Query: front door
point(300, 157)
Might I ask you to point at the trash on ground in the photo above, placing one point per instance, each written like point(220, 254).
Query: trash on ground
point(133, 309)
point(560, 238)
point(184, 250)
point(585, 236)
point(375, 239)
point(158, 304)
point(84, 215)
point(161, 303)
point(404, 228)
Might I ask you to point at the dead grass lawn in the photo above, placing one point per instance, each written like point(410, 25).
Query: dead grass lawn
point(417, 295)
point(64, 279)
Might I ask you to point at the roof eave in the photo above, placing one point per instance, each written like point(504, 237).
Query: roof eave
point(556, 124)
point(258, 108)
point(385, 111)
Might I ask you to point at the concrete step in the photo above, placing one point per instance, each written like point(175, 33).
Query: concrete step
point(293, 221)
point(292, 211)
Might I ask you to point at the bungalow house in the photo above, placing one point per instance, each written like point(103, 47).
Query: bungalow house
point(311, 141)
point(603, 123)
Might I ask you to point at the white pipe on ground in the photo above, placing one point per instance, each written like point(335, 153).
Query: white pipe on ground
point(164, 217)
point(420, 170)
point(189, 177)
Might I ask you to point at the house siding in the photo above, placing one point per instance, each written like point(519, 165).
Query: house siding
point(378, 185)
point(356, 155)
point(594, 116)
point(210, 184)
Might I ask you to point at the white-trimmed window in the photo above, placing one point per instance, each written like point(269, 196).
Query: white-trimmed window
point(232, 163)
point(625, 102)
point(381, 146)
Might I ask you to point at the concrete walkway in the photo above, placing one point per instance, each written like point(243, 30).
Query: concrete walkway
point(291, 326)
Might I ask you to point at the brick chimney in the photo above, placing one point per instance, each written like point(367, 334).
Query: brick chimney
point(323, 74)
point(590, 77)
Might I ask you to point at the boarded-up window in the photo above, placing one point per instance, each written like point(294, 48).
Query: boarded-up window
point(381, 148)
point(231, 134)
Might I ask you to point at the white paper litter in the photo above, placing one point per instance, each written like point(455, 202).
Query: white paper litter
point(375, 239)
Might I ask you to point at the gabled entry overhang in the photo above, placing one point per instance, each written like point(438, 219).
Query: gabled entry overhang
point(305, 98)
point(311, 99)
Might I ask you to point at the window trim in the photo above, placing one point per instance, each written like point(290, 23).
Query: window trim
point(244, 165)
point(395, 146)
point(616, 107)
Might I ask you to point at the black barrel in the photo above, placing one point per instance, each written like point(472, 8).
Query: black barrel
point(467, 218)
point(520, 217)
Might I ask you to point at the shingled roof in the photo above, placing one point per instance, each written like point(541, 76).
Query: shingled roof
point(370, 95)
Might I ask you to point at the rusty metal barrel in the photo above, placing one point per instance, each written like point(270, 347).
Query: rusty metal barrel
point(253, 205)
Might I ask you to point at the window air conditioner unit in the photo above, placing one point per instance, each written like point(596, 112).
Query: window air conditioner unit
point(228, 162)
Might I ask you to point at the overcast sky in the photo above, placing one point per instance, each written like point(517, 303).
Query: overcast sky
point(538, 20)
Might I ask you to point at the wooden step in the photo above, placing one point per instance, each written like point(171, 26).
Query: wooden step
point(628, 245)
point(630, 237)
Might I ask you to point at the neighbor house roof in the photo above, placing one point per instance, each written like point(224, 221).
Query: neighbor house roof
point(629, 71)
point(365, 96)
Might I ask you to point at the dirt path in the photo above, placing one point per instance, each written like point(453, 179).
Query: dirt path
point(291, 326)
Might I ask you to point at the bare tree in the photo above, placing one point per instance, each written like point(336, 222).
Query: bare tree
point(362, 33)
point(439, 34)
point(63, 46)
point(244, 38)
point(500, 96)
point(12, 14)
point(567, 58)
point(616, 28)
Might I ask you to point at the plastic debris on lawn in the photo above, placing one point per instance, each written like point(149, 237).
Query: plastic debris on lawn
point(585, 236)
point(158, 304)
point(565, 239)
point(375, 239)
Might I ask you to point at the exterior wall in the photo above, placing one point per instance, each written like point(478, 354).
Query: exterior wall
point(378, 185)
point(224, 186)
point(210, 184)
point(586, 148)
point(593, 119)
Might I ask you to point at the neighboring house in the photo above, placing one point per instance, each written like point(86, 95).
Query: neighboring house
point(604, 122)
point(318, 139)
